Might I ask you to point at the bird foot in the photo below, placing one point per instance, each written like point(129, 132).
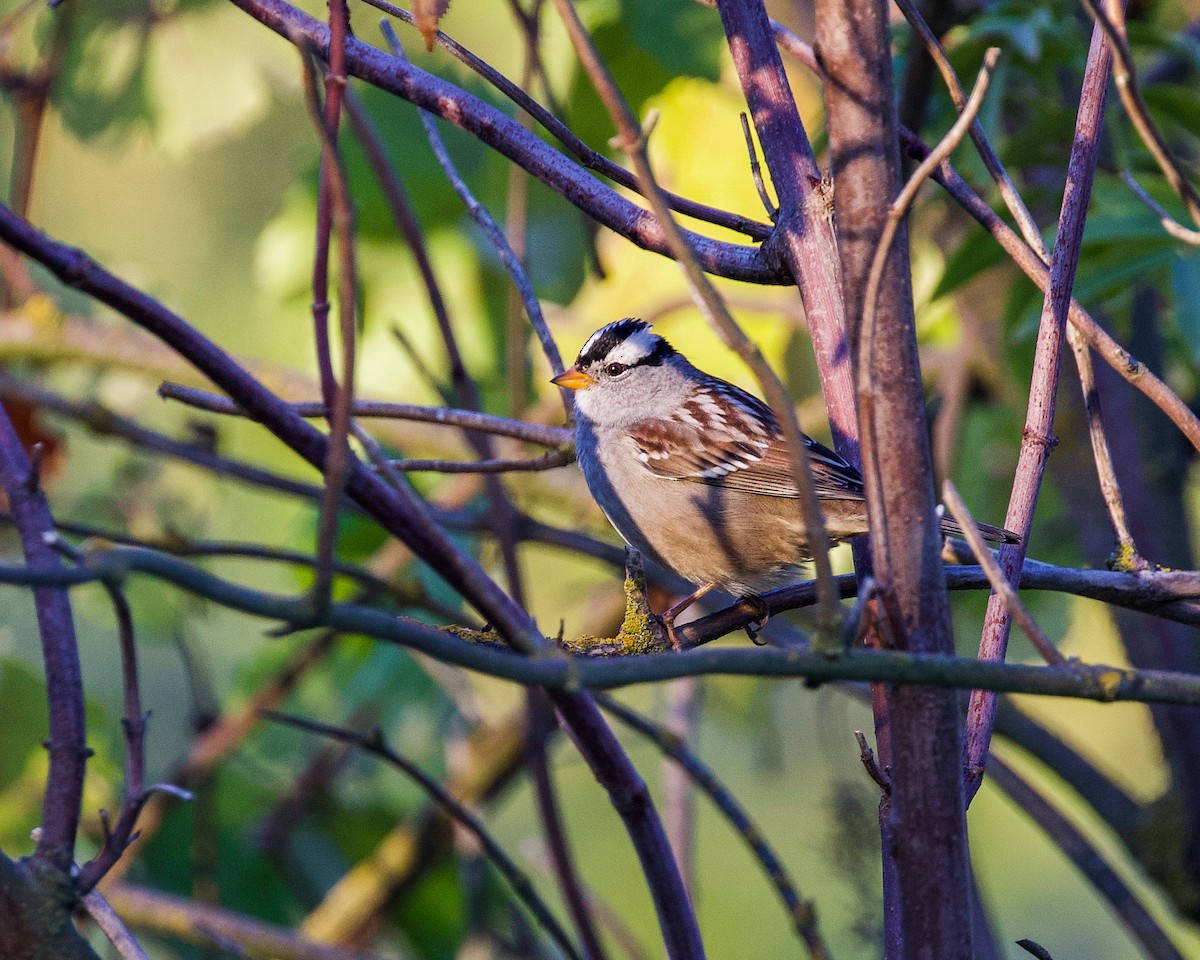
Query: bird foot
point(667, 617)
point(762, 615)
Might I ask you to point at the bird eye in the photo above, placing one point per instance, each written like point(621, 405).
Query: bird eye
point(615, 369)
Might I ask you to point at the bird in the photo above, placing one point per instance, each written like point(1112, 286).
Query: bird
point(694, 472)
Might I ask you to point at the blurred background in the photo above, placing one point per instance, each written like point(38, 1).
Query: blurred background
point(177, 151)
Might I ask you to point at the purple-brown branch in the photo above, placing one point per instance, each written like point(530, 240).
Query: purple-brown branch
point(1037, 436)
point(67, 744)
point(927, 888)
point(509, 138)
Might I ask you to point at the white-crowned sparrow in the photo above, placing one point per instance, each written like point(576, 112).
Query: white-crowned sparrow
point(694, 472)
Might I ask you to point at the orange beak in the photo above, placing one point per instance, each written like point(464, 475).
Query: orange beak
point(573, 379)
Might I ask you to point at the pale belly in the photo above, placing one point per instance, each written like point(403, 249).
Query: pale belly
point(742, 542)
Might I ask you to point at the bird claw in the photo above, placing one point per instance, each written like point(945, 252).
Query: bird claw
point(668, 623)
point(761, 618)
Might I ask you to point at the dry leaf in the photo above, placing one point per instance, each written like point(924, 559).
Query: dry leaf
point(427, 13)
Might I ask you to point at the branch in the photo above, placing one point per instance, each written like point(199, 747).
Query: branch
point(67, 744)
point(1081, 681)
point(547, 461)
point(104, 422)
point(592, 159)
point(335, 213)
point(1037, 440)
point(468, 419)
point(512, 140)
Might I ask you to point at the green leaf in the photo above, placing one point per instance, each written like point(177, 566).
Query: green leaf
point(1185, 284)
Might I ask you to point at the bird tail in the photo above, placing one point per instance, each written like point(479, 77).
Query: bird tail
point(997, 534)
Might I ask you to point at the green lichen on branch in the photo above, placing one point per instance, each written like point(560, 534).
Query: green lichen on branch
point(641, 631)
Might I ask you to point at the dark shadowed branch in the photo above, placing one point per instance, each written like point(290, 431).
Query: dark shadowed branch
point(1087, 858)
point(517, 878)
point(67, 744)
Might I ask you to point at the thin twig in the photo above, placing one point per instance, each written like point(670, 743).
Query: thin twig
point(468, 419)
point(1018, 611)
point(124, 942)
point(335, 213)
point(540, 724)
point(102, 421)
point(120, 836)
point(519, 880)
point(1169, 223)
point(631, 138)
point(1102, 454)
point(1112, 24)
point(547, 461)
point(493, 233)
point(1008, 191)
point(756, 170)
point(900, 208)
point(1036, 440)
point(867, 756)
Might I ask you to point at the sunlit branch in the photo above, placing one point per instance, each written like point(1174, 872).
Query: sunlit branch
point(601, 203)
point(592, 159)
point(1036, 437)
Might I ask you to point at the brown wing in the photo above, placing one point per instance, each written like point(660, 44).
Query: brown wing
point(725, 437)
